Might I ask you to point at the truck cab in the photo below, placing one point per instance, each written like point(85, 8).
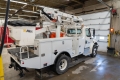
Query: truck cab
point(83, 39)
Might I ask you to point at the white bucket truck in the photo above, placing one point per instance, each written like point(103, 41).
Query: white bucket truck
point(47, 50)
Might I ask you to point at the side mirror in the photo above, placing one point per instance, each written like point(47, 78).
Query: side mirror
point(93, 32)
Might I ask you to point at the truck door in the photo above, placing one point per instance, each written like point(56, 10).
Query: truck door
point(88, 37)
point(87, 41)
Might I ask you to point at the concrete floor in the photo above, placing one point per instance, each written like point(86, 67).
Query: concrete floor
point(102, 67)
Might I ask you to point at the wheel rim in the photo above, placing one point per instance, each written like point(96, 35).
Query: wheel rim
point(95, 51)
point(63, 64)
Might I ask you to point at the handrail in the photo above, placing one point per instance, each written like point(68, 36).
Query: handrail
point(24, 51)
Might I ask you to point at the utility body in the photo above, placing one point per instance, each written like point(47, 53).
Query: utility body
point(37, 49)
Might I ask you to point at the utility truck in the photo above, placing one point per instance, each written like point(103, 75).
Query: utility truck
point(62, 38)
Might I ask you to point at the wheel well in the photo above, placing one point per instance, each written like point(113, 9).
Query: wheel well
point(62, 53)
point(96, 43)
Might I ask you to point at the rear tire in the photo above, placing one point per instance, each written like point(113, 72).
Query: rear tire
point(94, 50)
point(62, 64)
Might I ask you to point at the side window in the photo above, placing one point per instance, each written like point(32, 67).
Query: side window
point(73, 31)
point(88, 34)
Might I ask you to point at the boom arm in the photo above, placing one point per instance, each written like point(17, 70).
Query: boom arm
point(59, 18)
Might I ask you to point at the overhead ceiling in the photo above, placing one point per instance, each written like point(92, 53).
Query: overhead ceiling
point(31, 7)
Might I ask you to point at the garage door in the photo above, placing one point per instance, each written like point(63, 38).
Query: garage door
point(101, 22)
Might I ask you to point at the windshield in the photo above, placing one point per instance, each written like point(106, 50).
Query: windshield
point(73, 31)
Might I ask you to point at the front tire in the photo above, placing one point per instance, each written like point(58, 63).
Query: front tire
point(94, 50)
point(62, 64)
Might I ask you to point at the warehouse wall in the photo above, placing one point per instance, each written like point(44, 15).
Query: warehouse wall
point(101, 22)
point(115, 23)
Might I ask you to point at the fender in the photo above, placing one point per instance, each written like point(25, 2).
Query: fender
point(91, 45)
point(63, 52)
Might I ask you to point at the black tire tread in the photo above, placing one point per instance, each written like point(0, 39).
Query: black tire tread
point(92, 55)
point(63, 56)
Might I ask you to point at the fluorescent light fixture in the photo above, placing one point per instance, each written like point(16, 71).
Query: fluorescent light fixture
point(13, 9)
point(45, 7)
point(17, 2)
point(30, 11)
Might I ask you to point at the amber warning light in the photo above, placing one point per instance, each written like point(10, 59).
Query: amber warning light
point(111, 30)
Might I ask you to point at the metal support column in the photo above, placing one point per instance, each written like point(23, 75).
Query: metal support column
point(1, 69)
point(3, 38)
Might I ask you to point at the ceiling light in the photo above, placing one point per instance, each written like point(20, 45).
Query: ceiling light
point(17, 2)
point(30, 11)
point(13, 9)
